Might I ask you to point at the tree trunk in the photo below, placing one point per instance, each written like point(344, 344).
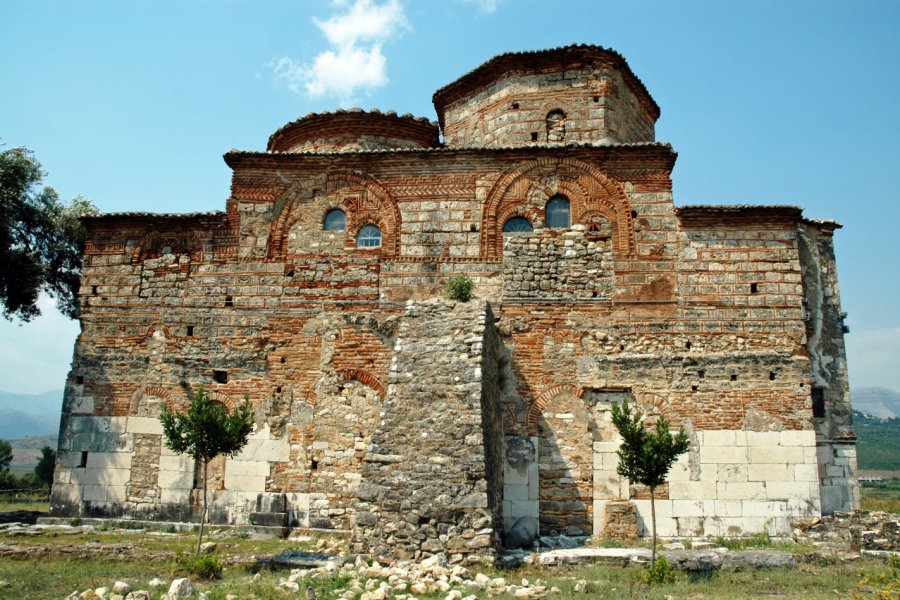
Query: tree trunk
point(203, 512)
point(653, 519)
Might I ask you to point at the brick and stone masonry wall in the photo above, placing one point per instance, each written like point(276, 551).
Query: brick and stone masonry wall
point(431, 479)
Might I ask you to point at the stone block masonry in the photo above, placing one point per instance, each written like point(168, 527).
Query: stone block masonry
point(423, 426)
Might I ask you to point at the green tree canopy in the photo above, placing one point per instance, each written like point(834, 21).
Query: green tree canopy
point(41, 239)
point(6, 454)
point(206, 430)
point(645, 455)
point(45, 467)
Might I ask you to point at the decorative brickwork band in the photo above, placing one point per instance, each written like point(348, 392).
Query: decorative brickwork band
point(524, 190)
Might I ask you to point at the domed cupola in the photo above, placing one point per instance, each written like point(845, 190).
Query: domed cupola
point(354, 130)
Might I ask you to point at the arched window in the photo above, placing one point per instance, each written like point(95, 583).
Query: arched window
point(556, 126)
point(517, 225)
point(335, 220)
point(557, 212)
point(368, 237)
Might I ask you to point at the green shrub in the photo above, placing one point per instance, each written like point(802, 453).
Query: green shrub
point(759, 540)
point(205, 566)
point(75, 522)
point(883, 583)
point(459, 288)
point(659, 572)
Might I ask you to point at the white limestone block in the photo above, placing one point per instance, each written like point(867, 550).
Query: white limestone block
point(731, 473)
point(687, 508)
point(525, 508)
point(83, 405)
point(716, 438)
point(770, 472)
point(754, 490)
point(180, 480)
point(777, 454)
point(723, 454)
point(108, 460)
point(252, 468)
point(757, 508)
point(117, 424)
point(93, 493)
point(115, 493)
point(245, 482)
point(515, 492)
point(806, 472)
point(606, 485)
point(705, 489)
point(728, 508)
point(798, 438)
point(787, 490)
point(106, 476)
point(144, 425)
point(764, 439)
point(174, 495)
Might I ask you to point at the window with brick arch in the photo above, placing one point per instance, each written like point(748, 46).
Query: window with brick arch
point(557, 212)
point(335, 220)
point(369, 236)
point(517, 225)
point(556, 126)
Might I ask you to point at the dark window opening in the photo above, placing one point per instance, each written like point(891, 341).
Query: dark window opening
point(534, 136)
point(278, 390)
point(517, 225)
point(701, 374)
point(314, 465)
point(335, 220)
point(634, 214)
point(283, 360)
point(94, 289)
point(220, 376)
point(771, 375)
point(79, 379)
point(190, 330)
point(82, 463)
point(754, 287)
point(694, 388)
point(596, 98)
point(473, 227)
point(229, 301)
point(818, 402)
point(290, 273)
point(557, 212)
point(515, 106)
point(734, 376)
point(687, 345)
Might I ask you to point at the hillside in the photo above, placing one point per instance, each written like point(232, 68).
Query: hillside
point(878, 402)
point(878, 448)
point(23, 415)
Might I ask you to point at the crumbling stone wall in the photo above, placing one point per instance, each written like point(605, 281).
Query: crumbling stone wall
point(430, 482)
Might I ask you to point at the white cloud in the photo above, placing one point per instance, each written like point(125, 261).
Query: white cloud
point(355, 61)
point(485, 6)
point(873, 358)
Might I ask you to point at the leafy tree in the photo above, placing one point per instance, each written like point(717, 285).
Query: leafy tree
point(41, 239)
point(45, 467)
point(6, 455)
point(206, 430)
point(645, 455)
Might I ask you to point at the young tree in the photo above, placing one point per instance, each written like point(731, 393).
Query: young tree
point(646, 456)
point(41, 239)
point(6, 454)
point(206, 430)
point(45, 467)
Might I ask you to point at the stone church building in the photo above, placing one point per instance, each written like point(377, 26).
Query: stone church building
point(421, 425)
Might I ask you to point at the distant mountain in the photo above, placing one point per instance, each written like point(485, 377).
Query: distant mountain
point(27, 451)
point(43, 404)
point(23, 415)
point(878, 442)
point(877, 402)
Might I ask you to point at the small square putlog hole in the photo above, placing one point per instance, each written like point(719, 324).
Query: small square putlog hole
point(220, 376)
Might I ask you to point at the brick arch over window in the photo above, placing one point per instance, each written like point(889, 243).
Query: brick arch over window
point(364, 200)
point(588, 189)
point(366, 379)
point(153, 242)
point(536, 408)
point(138, 405)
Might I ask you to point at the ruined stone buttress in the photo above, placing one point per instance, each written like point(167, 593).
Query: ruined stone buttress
point(420, 425)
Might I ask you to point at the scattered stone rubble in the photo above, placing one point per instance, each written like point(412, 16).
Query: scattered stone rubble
point(874, 533)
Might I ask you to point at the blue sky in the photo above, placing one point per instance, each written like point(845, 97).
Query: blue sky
point(132, 104)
